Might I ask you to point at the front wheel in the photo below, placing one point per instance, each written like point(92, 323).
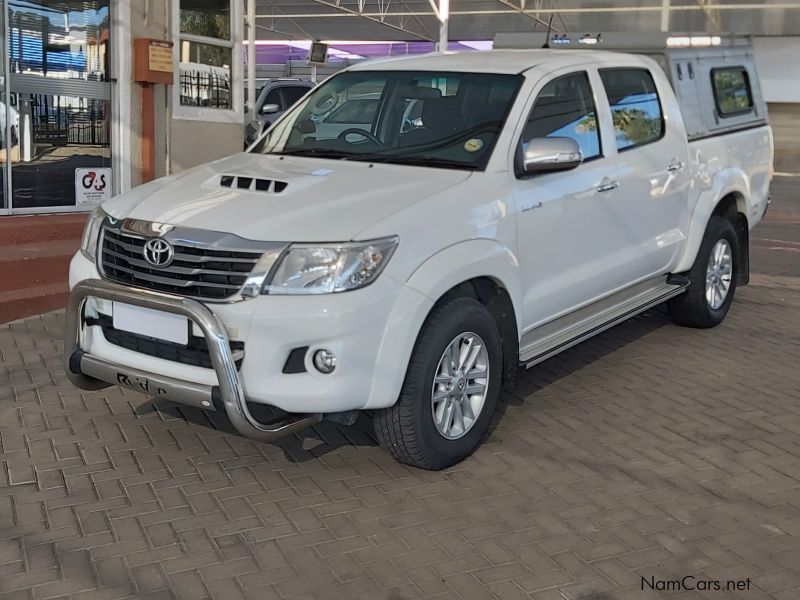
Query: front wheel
point(713, 278)
point(450, 390)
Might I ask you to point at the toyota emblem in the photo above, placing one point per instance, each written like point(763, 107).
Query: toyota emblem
point(158, 252)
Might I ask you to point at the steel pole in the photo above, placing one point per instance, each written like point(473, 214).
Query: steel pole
point(251, 58)
point(444, 20)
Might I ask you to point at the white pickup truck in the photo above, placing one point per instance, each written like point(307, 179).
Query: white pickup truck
point(489, 211)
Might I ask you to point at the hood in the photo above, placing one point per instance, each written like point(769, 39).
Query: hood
point(284, 199)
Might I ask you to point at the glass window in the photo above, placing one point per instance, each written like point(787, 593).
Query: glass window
point(293, 93)
point(431, 119)
point(413, 115)
point(353, 108)
point(274, 97)
point(635, 107)
point(209, 18)
point(205, 64)
point(732, 90)
point(63, 40)
point(61, 134)
point(565, 108)
point(5, 115)
point(205, 75)
point(356, 111)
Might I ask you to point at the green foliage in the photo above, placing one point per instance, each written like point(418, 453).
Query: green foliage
point(732, 91)
point(631, 125)
point(206, 23)
point(635, 125)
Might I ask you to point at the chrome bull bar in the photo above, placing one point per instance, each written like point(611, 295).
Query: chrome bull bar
point(92, 373)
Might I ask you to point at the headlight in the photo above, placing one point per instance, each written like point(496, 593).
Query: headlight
point(91, 233)
point(325, 269)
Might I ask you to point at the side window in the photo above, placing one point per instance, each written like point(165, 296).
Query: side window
point(635, 107)
point(274, 97)
point(293, 93)
point(565, 108)
point(731, 91)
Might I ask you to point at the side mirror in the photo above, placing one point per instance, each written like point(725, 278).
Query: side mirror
point(270, 109)
point(544, 155)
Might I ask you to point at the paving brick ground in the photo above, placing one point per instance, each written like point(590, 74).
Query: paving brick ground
point(649, 451)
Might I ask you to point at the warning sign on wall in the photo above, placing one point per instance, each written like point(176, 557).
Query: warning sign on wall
point(160, 57)
point(92, 185)
point(152, 61)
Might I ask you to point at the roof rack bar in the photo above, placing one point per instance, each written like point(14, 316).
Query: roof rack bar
point(621, 40)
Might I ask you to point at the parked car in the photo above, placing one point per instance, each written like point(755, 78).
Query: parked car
point(273, 99)
point(408, 265)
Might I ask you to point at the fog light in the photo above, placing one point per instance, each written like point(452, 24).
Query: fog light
point(324, 361)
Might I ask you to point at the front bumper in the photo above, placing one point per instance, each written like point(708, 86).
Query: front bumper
point(372, 332)
point(90, 372)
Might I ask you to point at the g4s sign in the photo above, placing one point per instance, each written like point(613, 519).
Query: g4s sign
point(93, 180)
point(92, 185)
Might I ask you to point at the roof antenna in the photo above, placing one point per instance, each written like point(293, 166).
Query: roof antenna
point(549, 29)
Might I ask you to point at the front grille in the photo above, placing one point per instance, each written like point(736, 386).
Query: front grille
point(198, 272)
point(195, 353)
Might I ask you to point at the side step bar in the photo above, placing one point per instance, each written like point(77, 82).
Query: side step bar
point(92, 373)
point(551, 338)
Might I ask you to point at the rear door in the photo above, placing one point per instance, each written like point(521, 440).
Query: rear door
point(650, 158)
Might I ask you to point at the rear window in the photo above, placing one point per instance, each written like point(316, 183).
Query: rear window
point(635, 106)
point(732, 92)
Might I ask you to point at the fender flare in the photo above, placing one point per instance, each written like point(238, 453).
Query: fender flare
point(726, 182)
point(427, 284)
point(468, 260)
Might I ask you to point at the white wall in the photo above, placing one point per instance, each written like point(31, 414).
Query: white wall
point(778, 62)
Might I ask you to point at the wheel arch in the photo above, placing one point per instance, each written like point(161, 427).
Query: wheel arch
point(732, 204)
point(491, 293)
point(482, 269)
point(487, 271)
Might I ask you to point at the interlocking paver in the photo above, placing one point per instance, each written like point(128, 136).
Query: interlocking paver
point(649, 451)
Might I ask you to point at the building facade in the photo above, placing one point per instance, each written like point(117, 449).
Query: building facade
point(75, 127)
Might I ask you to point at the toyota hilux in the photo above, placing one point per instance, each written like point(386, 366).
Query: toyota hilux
point(489, 211)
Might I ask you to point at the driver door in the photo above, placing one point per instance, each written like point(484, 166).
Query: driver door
point(568, 226)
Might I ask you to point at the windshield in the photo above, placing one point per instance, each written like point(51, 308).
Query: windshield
point(447, 120)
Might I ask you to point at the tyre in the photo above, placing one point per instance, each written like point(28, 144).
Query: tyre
point(450, 390)
point(713, 278)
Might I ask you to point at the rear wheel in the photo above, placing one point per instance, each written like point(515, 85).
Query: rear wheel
point(450, 390)
point(713, 278)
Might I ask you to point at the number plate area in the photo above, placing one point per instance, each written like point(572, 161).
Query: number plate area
point(152, 323)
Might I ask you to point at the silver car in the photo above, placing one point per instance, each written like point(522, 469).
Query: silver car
point(273, 99)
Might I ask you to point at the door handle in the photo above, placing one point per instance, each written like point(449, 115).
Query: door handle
point(607, 186)
point(675, 165)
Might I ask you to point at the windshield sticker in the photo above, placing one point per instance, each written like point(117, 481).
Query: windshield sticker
point(473, 145)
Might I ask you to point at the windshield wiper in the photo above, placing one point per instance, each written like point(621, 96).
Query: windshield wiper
point(318, 152)
point(425, 161)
